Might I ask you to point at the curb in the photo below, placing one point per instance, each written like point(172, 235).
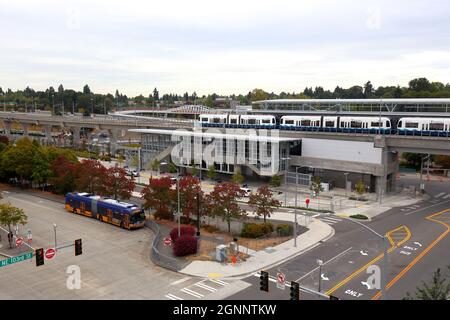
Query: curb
point(244, 275)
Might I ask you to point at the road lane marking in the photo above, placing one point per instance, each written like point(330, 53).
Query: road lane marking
point(433, 205)
point(223, 283)
point(357, 272)
point(204, 286)
point(421, 255)
point(180, 281)
point(446, 197)
point(192, 293)
point(173, 297)
point(439, 195)
point(335, 257)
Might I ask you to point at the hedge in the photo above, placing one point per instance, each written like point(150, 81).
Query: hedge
point(359, 216)
point(185, 245)
point(285, 229)
point(255, 230)
point(184, 231)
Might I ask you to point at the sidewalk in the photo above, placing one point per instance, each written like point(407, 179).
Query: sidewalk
point(263, 259)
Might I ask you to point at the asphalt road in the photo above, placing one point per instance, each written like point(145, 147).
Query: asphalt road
point(421, 245)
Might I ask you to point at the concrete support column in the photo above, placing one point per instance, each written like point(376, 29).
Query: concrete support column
point(7, 126)
point(25, 127)
point(381, 181)
point(113, 138)
point(48, 132)
point(76, 135)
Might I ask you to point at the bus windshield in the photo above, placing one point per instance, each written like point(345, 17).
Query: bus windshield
point(137, 216)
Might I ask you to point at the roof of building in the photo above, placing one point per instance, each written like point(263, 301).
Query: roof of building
point(237, 134)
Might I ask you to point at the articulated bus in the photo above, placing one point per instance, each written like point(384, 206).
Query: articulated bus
point(122, 214)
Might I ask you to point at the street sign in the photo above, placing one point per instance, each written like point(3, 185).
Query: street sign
point(16, 259)
point(19, 242)
point(281, 280)
point(49, 253)
point(167, 241)
point(307, 202)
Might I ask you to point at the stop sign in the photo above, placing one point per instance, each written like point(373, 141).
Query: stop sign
point(167, 241)
point(19, 242)
point(50, 253)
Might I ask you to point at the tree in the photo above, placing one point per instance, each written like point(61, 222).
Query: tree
point(360, 188)
point(64, 173)
point(443, 161)
point(368, 89)
point(263, 202)
point(420, 84)
point(17, 159)
point(10, 215)
point(155, 164)
point(237, 178)
point(224, 202)
point(439, 289)
point(259, 94)
point(41, 168)
point(275, 181)
point(86, 89)
point(91, 177)
point(189, 190)
point(211, 172)
point(155, 94)
point(159, 196)
point(117, 184)
point(316, 185)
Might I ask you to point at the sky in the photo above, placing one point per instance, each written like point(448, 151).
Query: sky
point(224, 47)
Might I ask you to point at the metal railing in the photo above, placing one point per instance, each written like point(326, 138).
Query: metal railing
point(156, 256)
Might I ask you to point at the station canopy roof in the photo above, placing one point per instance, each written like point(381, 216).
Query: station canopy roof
point(236, 134)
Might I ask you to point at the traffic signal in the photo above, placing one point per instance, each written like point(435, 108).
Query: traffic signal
point(295, 291)
point(264, 281)
point(334, 298)
point(39, 257)
point(78, 249)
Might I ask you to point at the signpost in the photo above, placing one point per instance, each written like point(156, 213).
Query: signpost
point(19, 242)
point(49, 253)
point(167, 241)
point(281, 280)
point(12, 260)
point(29, 237)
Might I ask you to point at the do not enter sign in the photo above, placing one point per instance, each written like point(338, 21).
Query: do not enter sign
point(307, 201)
point(49, 253)
point(167, 241)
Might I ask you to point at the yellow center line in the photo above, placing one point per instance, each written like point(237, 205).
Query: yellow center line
point(421, 255)
point(357, 272)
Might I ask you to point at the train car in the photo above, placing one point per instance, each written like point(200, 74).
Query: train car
point(122, 214)
point(213, 120)
point(424, 126)
point(258, 121)
point(306, 123)
point(364, 124)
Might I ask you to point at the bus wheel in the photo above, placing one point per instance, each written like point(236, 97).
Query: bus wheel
point(122, 226)
point(74, 210)
point(99, 217)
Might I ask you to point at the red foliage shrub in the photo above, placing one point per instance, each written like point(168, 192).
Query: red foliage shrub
point(184, 230)
point(185, 245)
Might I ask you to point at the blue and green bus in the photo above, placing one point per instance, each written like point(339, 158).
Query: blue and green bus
point(122, 214)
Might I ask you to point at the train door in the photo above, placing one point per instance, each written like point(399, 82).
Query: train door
point(82, 207)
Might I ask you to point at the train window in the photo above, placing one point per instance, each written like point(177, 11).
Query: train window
point(216, 120)
point(375, 124)
point(251, 121)
point(411, 125)
point(356, 124)
point(266, 121)
point(305, 123)
point(437, 126)
point(204, 119)
point(329, 123)
point(233, 121)
point(288, 121)
point(342, 124)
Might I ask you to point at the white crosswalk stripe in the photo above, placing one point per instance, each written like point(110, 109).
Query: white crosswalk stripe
point(446, 197)
point(192, 293)
point(330, 220)
point(173, 297)
point(439, 195)
point(223, 283)
point(204, 286)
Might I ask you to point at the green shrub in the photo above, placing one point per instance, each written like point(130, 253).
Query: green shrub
point(255, 230)
point(359, 216)
point(285, 230)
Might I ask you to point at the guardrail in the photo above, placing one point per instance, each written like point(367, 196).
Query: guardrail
point(156, 256)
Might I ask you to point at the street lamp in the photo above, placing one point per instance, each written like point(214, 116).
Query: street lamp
point(54, 229)
point(320, 263)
